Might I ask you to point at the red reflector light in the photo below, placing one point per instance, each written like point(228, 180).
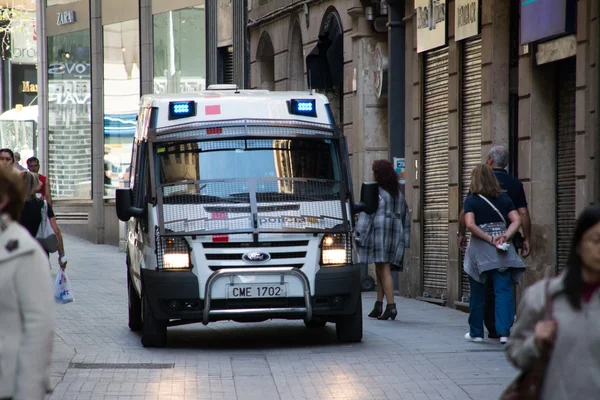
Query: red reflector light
point(212, 110)
point(220, 238)
point(218, 215)
point(214, 131)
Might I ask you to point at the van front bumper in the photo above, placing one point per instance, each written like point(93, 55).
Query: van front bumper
point(174, 295)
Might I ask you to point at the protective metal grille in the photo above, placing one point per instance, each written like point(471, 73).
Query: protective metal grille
point(242, 127)
point(169, 247)
point(435, 172)
point(251, 206)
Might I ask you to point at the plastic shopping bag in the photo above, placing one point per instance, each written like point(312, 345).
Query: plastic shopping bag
point(62, 288)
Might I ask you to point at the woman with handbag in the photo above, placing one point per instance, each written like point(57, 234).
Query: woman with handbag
point(26, 304)
point(490, 254)
point(559, 353)
point(37, 212)
point(382, 237)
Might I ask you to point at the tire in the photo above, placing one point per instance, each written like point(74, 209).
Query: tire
point(135, 306)
point(367, 284)
point(154, 332)
point(349, 328)
point(312, 324)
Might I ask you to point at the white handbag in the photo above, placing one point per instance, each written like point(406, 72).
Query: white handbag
point(45, 234)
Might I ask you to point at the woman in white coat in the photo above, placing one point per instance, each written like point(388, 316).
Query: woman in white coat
point(26, 304)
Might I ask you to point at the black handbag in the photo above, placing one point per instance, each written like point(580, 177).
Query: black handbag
point(517, 238)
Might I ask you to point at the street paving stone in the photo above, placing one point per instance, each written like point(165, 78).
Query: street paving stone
point(420, 355)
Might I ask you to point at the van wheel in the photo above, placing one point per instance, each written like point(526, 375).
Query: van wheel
point(349, 328)
point(135, 306)
point(154, 332)
point(312, 324)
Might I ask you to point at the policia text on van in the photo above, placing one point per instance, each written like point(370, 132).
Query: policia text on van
point(240, 208)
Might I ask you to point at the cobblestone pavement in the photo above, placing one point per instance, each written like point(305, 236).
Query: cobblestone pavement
point(421, 355)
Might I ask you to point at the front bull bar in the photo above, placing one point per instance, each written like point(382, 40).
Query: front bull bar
point(306, 310)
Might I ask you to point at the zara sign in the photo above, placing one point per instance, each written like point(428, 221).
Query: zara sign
point(66, 17)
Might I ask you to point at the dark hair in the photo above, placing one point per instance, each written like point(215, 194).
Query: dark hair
point(33, 159)
point(11, 185)
point(9, 151)
point(573, 280)
point(385, 176)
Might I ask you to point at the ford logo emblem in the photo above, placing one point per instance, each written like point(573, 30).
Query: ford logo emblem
point(256, 256)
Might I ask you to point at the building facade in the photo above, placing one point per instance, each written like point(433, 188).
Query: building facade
point(95, 61)
point(339, 48)
point(486, 72)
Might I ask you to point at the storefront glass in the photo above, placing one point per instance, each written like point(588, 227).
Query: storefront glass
point(121, 101)
point(57, 2)
point(179, 55)
point(69, 115)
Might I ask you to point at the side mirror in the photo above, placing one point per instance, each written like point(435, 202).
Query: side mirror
point(125, 210)
point(369, 198)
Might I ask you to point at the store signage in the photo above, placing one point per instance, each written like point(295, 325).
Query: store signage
point(81, 69)
point(466, 19)
point(66, 17)
point(545, 19)
point(23, 49)
point(29, 87)
point(431, 24)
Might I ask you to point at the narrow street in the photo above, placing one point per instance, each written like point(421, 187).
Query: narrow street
point(421, 355)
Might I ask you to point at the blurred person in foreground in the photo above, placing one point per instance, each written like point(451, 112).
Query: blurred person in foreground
point(31, 218)
point(382, 237)
point(33, 164)
point(492, 219)
point(573, 335)
point(26, 304)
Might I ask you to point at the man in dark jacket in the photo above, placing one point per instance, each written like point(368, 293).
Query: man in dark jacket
point(498, 159)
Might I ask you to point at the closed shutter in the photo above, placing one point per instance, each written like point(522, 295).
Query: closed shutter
point(435, 172)
point(470, 122)
point(565, 161)
point(226, 65)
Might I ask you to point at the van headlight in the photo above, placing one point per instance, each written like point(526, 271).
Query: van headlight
point(173, 253)
point(336, 249)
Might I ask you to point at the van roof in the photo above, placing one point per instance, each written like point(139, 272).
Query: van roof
point(215, 105)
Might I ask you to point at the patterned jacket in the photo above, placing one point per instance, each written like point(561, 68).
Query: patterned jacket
point(383, 236)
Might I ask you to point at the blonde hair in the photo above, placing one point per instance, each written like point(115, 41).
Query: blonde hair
point(484, 182)
point(31, 183)
point(11, 187)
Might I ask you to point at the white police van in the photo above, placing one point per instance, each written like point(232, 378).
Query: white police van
point(240, 208)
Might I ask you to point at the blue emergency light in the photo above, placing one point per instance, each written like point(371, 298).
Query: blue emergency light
point(305, 108)
point(181, 109)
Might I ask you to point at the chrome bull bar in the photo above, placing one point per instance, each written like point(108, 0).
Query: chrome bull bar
point(282, 271)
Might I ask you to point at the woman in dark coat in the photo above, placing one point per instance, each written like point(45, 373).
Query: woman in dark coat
point(383, 236)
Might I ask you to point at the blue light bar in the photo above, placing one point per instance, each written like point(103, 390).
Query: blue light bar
point(181, 109)
point(305, 108)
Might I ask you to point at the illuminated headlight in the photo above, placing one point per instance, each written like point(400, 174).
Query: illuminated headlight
point(176, 260)
point(172, 252)
point(335, 250)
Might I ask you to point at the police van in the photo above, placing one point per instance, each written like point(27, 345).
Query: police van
point(240, 208)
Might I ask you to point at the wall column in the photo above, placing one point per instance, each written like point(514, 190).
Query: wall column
point(97, 78)
point(210, 8)
point(42, 74)
point(146, 48)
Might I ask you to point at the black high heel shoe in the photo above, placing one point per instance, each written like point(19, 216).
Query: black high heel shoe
point(377, 310)
point(390, 312)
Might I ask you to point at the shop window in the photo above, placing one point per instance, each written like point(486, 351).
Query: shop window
point(69, 115)
point(121, 101)
point(179, 51)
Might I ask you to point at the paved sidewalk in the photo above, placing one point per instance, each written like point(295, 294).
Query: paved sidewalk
point(421, 355)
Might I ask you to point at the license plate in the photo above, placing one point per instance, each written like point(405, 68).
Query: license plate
point(248, 291)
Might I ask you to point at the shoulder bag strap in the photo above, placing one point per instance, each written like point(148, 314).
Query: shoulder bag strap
point(548, 306)
point(494, 207)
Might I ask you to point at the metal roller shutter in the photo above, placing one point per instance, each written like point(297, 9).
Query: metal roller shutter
point(435, 172)
point(565, 161)
point(470, 122)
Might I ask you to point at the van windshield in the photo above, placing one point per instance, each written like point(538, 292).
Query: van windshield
point(250, 185)
point(305, 169)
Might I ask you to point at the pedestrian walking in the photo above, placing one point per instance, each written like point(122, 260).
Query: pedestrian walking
point(490, 254)
point(26, 304)
point(497, 158)
point(31, 217)
point(382, 237)
point(569, 341)
point(18, 165)
point(33, 164)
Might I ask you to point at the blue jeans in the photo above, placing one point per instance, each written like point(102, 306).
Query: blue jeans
point(505, 308)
